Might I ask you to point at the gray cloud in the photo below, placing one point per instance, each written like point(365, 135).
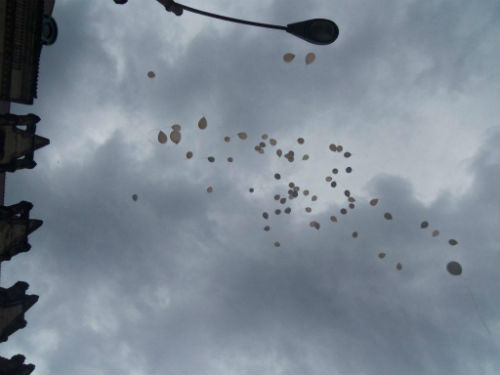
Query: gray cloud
point(182, 280)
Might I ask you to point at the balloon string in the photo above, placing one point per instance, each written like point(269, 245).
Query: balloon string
point(477, 309)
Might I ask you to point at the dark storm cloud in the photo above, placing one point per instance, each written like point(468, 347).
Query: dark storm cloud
point(84, 58)
point(323, 301)
point(376, 54)
point(312, 298)
point(254, 74)
point(298, 298)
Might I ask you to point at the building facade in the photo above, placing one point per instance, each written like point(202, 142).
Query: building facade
point(25, 27)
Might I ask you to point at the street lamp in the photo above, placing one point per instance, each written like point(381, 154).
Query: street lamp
point(317, 31)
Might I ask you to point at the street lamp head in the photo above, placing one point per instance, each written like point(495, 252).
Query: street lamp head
point(317, 31)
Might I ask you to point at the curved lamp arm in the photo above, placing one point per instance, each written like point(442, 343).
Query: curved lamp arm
point(317, 31)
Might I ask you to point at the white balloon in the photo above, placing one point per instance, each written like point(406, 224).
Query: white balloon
point(310, 57)
point(162, 137)
point(175, 136)
point(288, 57)
point(202, 124)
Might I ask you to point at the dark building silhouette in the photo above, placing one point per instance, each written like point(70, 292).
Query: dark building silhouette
point(24, 27)
point(15, 366)
point(15, 226)
point(14, 302)
point(17, 146)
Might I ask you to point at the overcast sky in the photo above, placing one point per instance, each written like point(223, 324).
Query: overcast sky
point(186, 281)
